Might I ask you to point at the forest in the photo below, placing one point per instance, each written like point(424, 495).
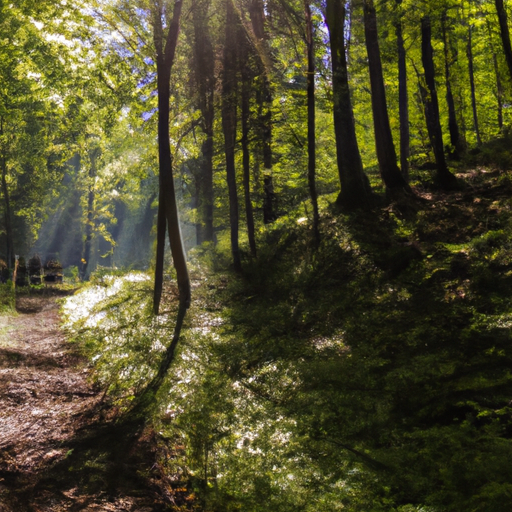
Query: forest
point(283, 236)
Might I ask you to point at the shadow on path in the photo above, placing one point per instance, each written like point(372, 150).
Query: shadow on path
point(60, 446)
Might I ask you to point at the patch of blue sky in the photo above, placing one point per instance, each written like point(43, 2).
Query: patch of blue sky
point(121, 50)
point(142, 13)
point(148, 79)
point(146, 116)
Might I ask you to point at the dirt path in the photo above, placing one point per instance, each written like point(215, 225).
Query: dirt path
point(50, 425)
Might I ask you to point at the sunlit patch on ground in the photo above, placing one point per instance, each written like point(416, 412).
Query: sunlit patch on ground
point(6, 329)
point(81, 305)
point(48, 408)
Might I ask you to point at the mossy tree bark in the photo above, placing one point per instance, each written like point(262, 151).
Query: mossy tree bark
point(449, 59)
point(499, 84)
point(469, 52)
point(264, 100)
point(246, 78)
point(9, 246)
point(161, 224)
point(89, 222)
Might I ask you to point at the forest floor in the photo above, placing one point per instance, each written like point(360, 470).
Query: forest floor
point(439, 271)
point(56, 453)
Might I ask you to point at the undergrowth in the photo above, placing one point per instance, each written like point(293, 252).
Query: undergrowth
point(370, 373)
point(7, 298)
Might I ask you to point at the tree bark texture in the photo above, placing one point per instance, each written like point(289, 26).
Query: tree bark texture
point(469, 50)
point(264, 98)
point(89, 222)
point(453, 126)
point(499, 84)
point(229, 101)
point(403, 98)
point(246, 76)
point(311, 120)
point(165, 49)
point(499, 91)
point(204, 72)
point(355, 187)
point(444, 177)
point(505, 34)
point(161, 224)
point(386, 154)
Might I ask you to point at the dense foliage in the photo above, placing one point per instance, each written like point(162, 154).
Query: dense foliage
point(370, 373)
point(79, 108)
point(348, 340)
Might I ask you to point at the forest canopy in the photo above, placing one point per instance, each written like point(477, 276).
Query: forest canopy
point(395, 89)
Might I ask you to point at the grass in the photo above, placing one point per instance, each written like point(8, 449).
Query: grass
point(371, 372)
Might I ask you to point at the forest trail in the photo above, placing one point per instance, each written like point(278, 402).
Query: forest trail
point(51, 422)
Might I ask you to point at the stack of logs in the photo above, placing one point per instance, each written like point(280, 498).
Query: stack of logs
point(52, 270)
point(21, 272)
point(34, 269)
point(34, 272)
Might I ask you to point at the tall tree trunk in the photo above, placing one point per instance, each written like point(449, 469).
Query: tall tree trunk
point(453, 126)
point(168, 208)
point(9, 249)
point(386, 154)
point(161, 224)
point(469, 50)
point(499, 84)
point(204, 61)
point(499, 91)
point(165, 49)
point(349, 20)
point(311, 120)
point(246, 76)
point(403, 97)
point(505, 34)
point(207, 157)
point(197, 200)
point(355, 187)
point(229, 101)
point(264, 98)
point(444, 177)
point(89, 223)
point(86, 251)
point(9, 246)
point(249, 212)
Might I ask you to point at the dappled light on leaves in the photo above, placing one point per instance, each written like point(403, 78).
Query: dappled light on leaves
point(261, 310)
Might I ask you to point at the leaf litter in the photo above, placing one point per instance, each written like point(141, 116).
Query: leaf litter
point(60, 448)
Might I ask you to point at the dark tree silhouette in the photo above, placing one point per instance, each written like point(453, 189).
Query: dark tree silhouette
point(386, 154)
point(229, 103)
point(444, 177)
point(165, 50)
point(355, 188)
